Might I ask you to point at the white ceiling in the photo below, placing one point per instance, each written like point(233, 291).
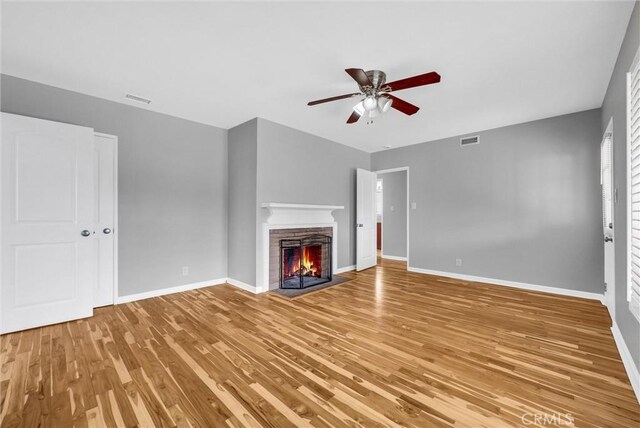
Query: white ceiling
point(224, 63)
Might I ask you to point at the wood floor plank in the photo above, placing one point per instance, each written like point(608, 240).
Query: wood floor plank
point(388, 348)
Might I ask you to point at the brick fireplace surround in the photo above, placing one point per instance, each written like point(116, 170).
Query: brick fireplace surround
point(291, 221)
point(275, 235)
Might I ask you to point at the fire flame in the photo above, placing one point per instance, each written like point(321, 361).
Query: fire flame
point(306, 264)
point(303, 263)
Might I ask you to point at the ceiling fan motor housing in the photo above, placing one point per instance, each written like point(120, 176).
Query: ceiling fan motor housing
point(377, 77)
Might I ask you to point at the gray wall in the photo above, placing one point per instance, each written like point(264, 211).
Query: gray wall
point(297, 167)
point(615, 106)
point(243, 158)
point(394, 222)
point(172, 184)
point(523, 205)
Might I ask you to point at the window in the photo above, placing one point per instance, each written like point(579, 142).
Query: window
point(633, 195)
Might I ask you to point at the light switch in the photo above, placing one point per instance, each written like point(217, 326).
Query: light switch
point(414, 205)
point(392, 208)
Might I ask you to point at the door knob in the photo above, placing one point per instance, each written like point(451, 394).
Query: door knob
point(608, 239)
point(85, 233)
point(106, 231)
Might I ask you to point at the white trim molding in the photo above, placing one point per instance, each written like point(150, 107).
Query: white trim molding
point(627, 360)
point(633, 298)
point(115, 227)
point(242, 285)
point(280, 213)
point(170, 290)
point(521, 285)
point(402, 259)
point(345, 269)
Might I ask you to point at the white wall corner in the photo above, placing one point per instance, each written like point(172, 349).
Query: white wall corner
point(627, 360)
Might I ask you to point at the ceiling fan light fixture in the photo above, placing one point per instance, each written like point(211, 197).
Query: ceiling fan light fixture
point(384, 104)
point(359, 108)
point(370, 103)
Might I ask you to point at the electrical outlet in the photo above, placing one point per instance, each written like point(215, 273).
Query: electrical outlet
point(185, 270)
point(414, 205)
point(392, 208)
point(458, 262)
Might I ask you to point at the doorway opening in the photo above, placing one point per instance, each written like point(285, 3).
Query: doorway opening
point(392, 214)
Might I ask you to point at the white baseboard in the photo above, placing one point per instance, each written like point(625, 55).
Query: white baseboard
point(170, 290)
point(522, 285)
point(345, 269)
point(243, 285)
point(402, 259)
point(627, 360)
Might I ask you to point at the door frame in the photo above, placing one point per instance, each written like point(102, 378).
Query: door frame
point(609, 295)
point(381, 218)
point(384, 171)
point(116, 230)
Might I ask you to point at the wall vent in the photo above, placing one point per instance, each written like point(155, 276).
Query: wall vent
point(467, 141)
point(137, 98)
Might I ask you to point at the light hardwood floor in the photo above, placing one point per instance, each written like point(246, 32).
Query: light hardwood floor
point(387, 348)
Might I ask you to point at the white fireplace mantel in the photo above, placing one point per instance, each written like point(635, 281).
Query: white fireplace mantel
point(291, 214)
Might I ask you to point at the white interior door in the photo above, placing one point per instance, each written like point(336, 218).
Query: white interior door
point(366, 254)
point(105, 216)
point(606, 180)
point(47, 222)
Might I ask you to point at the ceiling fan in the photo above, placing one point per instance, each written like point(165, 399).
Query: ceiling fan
point(377, 97)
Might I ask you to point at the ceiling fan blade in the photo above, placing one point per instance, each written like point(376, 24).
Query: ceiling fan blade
point(353, 118)
point(359, 76)
point(401, 105)
point(339, 97)
point(412, 82)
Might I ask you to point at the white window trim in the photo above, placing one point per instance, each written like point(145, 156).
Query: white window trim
point(634, 64)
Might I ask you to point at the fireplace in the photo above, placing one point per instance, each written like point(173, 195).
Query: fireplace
point(293, 221)
point(305, 262)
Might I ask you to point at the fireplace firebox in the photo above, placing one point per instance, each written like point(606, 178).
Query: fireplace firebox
point(305, 262)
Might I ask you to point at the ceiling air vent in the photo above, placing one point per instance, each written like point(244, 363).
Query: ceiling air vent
point(467, 141)
point(137, 98)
